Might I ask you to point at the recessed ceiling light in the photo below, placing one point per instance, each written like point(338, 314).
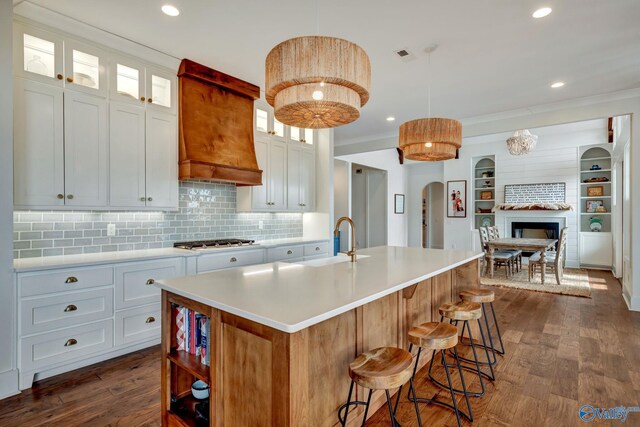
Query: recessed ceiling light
point(542, 12)
point(170, 10)
point(556, 85)
point(390, 118)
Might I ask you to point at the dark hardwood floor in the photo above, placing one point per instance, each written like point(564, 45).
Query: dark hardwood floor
point(562, 352)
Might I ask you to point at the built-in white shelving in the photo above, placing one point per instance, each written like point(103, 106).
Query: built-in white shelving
point(486, 166)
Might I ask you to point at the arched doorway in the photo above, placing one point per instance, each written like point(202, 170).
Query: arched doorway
point(433, 207)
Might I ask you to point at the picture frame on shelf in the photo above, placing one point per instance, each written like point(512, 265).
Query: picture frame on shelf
point(593, 205)
point(486, 195)
point(457, 199)
point(398, 203)
point(595, 191)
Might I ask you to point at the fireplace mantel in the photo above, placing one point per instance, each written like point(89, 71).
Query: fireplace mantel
point(532, 207)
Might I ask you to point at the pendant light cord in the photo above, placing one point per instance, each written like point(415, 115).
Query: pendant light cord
point(317, 17)
point(429, 84)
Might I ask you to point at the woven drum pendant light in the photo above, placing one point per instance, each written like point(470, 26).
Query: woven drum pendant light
point(317, 82)
point(431, 139)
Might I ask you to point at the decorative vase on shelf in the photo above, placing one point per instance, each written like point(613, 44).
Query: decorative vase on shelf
point(595, 224)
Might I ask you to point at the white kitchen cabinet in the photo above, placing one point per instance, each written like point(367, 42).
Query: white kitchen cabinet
point(85, 150)
point(267, 125)
point(127, 80)
point(37, 55)
point(127, 155)
point(85, 68)
point(161, 160)
point(160, 89)
point(272, 194)
point(300, 178)
point(38, 144)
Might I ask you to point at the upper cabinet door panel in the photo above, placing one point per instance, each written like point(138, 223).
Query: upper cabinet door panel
point(162, 160)
point(38, 144)
point(307, 180)
point(127, 155)
point(127, 80)
point(260, 193)
point(37, 55)
point(86, 150)
point(278, 175)
point(85, 68)
point(161, 89)
point(294, 164)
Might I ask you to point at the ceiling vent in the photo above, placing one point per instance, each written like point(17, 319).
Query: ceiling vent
point(405, 55)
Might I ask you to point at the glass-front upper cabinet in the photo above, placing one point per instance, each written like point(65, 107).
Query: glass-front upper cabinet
point(85, 68)
point(304, 136)
point(265, 123)
point(160, 89)
point(127, 81)
point(38, 55)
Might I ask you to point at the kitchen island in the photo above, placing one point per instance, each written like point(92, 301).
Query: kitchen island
point(283, 334)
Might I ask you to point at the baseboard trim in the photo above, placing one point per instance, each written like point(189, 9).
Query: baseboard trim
point(9, 384)
point(633, 303)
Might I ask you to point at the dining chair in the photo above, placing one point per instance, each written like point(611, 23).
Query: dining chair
point(500, 258)
point(494, 233)
point(555, 260)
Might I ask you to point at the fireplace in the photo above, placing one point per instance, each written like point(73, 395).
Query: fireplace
point(535, 230)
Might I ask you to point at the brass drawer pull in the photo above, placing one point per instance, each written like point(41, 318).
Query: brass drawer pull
point(289, 252)
point(60, 196)
point(233, 259)
point(71, 279)
point(70, 307)
point(317, 248)
point(70, 342)
point(150, 319)
point(150, 282)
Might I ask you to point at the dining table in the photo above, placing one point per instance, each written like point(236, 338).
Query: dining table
point(523, 244)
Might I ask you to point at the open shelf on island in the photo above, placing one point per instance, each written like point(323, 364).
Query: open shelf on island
point(190, 363)
point(183, 411)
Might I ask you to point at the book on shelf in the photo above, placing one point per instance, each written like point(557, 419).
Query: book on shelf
point(192, 333)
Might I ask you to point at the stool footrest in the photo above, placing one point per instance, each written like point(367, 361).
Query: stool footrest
point(343, 407)
point(435, 401)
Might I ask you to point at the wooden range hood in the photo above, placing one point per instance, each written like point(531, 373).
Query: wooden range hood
point(216, 126)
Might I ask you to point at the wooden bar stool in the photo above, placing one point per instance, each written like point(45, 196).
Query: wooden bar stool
point(464, 311)
point(383, 368)
point(438, 336)
point(484, 296)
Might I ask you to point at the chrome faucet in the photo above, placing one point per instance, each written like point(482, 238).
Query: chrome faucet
point(352, 252)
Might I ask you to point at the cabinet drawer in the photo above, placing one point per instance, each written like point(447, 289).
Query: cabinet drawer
point(46, 350)
point(229, 260)
point(284, 253)
point(319, 248)
point(134, 282)
point(68, 309)
point(52, 281)
point(137, 324)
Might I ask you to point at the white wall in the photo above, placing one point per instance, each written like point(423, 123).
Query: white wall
point(342, 196)
point(419, 175)
point(8, 372)
point(388, 160)
point(435, 215)
point(319, 224)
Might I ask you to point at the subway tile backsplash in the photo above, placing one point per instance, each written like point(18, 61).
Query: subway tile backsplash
point(206, 211)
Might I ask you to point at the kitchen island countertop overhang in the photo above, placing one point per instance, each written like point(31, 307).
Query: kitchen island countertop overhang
point(292, 296)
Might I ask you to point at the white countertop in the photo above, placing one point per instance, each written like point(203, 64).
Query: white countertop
point(292, 296)
point(65, 261)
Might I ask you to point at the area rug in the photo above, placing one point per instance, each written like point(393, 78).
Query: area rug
point(574, 282)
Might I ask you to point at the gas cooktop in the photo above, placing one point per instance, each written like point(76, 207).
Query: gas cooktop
point(212, 244)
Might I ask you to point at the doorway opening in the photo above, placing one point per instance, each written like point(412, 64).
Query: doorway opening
point(369, 205)
point(433, 206)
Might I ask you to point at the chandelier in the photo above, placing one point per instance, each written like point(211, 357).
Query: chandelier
point(430, 139)
point(522, 142)
point(317, 82)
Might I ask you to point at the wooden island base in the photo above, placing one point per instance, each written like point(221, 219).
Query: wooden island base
point(261, 376)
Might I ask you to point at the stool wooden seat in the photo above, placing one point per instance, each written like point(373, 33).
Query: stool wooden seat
point(461, 310)
point(480, 295)
point(434, 336)
point(382, 368)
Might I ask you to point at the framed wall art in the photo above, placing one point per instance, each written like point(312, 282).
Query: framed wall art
point(456, 199)
point(595, 191)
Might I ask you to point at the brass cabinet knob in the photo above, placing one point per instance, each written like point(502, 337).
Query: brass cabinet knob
point(150, 319)
point(317, 248)
point(70, 79)
point(69, 196)
point(60, 196)
point(142, 199)
point(149, 100)
point(149, 199)
point(70, 342)
point(233, 259)
point(150, 282)
point(60, 76)
point(70, 307)
point(142, 98)
point(71, 279)
point(289, 252)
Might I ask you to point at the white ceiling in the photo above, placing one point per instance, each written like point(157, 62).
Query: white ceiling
point(492, 55)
